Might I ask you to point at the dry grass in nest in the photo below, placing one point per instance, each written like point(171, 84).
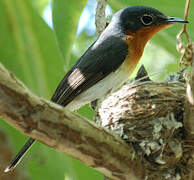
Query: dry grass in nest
point(149, 117)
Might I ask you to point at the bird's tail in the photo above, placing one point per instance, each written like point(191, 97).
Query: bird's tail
point(20, 155)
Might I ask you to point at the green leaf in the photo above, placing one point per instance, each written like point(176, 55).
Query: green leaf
point(65, 19)
point(28, 47)
point(39, 5)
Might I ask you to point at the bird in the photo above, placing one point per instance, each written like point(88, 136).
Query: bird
point(108, 62)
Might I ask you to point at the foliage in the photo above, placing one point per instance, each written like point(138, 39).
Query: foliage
point(39, 56)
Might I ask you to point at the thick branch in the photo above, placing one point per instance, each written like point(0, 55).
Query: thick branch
point(65, 131)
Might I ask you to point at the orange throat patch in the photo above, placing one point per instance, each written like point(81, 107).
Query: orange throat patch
point(136, 43)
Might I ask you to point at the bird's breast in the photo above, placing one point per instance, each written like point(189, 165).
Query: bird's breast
point(132, 59)
point(136, 46)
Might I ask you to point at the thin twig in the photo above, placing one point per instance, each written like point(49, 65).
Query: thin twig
point(185, 50)
point(100, 16)
point(187, 53)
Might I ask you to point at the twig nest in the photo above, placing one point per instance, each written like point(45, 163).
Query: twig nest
point(149, 116)
point(137, 102)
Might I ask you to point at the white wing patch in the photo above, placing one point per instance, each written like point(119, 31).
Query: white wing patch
point(75, 78)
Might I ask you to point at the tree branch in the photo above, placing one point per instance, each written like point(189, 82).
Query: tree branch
point(65, 131)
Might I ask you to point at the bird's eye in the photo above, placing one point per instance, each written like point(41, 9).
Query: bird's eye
point(147, 19)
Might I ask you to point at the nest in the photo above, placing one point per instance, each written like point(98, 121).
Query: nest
point(149, 117)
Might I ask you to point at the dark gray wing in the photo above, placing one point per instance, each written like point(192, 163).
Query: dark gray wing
point(97, 62)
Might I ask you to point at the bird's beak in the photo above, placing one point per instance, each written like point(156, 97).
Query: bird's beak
point(174, 20)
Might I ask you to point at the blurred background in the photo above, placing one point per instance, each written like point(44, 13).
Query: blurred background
point(40, 40)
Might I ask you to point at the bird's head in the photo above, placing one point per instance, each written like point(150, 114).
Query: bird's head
point(143, 19)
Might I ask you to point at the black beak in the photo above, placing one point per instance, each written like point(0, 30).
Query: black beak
point(174, 20)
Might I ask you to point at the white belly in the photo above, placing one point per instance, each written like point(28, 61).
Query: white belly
point(110, 83)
